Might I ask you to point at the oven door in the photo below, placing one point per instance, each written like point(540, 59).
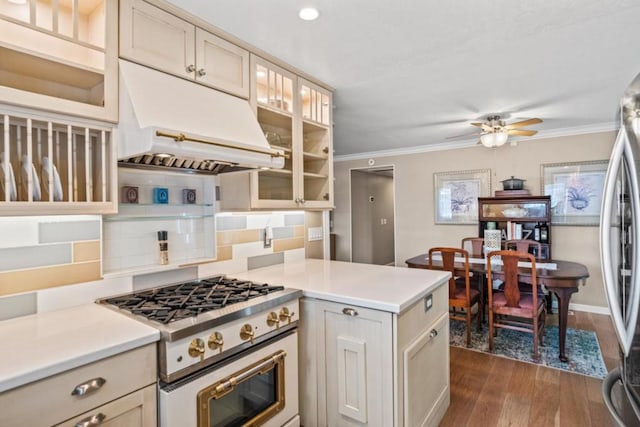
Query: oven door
point(258, 387)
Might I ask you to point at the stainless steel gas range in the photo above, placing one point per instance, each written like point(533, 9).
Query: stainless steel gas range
point(227, 354)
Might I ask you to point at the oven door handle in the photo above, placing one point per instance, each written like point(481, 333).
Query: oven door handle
point(226, 386)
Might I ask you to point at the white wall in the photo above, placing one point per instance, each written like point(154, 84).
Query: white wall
point(415, 228)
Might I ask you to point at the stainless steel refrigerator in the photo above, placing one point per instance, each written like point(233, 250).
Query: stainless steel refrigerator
point(620, 258)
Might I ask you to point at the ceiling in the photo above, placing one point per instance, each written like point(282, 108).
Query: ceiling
point(409, 74)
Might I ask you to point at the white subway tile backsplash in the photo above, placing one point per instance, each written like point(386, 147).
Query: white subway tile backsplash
point(261, 221)
point(231, 222)
point(294, 255)
point(18, 233)
point(246, 250)
point(35, 256)
point(294, 219)
point(54, 232)
point(223, 267)
point(18, 305)
point(83, 293)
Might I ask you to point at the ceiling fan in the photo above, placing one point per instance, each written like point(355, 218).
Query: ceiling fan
point(494, 131)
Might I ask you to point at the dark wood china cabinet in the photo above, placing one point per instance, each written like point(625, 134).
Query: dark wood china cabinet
point(521, 217)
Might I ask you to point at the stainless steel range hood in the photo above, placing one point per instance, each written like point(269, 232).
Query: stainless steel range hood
point(168, 122)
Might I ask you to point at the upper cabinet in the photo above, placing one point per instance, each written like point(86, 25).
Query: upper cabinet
point(153, 37)
point(295, 116)
point(60, 55)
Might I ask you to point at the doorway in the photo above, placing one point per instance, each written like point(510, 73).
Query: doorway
point(372, 215)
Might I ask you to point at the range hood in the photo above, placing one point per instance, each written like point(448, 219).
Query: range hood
point(168, 122)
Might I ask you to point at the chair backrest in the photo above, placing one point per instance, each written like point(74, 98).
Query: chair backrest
point(448, 263)
point(524, 245)
point(509, 269)
point(476, 244)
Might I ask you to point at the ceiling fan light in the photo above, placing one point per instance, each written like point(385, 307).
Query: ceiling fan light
point(494, 139)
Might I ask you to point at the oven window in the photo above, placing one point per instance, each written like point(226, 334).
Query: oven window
point(248, 397)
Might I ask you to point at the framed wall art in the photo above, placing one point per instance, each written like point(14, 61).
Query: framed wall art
point(456, 195)
point(576, 191)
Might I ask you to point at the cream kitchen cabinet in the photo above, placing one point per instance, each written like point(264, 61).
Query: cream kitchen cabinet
point(118, 391)
point(59, 57)
point(159, 39)
point(295, 116)
point(373, 367)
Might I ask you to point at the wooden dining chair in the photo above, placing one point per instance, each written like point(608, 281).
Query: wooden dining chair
point(510, 308)
point(525, 245)
point(461, 294)
point(476, 244)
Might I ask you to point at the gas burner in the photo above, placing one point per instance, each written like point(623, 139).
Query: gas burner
point(175, 302)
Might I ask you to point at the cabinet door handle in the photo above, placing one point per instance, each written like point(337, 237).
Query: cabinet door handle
point(88, 387)
point(93, 420)
point(350, 311)
point(191, 68)
point(433, 333)
point(201, 72)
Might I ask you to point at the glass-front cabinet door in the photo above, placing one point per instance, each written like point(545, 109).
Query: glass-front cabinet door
point(274, 102)
point(60, 56)
point(316, 147)
point(295, 116)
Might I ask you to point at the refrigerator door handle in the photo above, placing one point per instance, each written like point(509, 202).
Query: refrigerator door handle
point(607, 387)
point(624, 331)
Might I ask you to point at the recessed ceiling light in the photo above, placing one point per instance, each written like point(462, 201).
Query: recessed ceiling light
point(309, 13)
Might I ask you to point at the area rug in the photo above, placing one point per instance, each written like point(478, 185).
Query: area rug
point(581, 347)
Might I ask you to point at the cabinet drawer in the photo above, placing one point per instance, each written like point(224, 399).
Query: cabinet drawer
point(122, 374)
point(133, 410)
point(413, 321)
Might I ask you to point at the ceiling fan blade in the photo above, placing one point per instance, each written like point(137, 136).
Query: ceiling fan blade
point(523, 123)
point(522, 132)
point(463, 135)
point(477, 124)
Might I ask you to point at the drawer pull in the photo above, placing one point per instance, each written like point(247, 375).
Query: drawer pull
point(350, 311)
point(93, 420)
point(88, 387)
point(433, 333)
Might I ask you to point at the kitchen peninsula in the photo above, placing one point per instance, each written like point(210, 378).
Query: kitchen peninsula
point(374, 342)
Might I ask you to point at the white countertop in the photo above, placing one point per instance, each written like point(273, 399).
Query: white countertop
point(37, 346)
point(378, 287)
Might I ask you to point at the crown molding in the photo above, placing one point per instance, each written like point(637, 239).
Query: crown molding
point(552, 133)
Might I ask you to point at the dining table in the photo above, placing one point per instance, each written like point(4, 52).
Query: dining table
point(563, 278)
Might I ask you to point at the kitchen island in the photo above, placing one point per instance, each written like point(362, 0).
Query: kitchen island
point(374, 342)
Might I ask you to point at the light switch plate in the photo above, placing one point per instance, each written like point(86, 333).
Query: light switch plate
point(314, 233)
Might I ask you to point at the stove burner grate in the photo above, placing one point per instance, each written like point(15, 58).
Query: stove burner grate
point(175, 302)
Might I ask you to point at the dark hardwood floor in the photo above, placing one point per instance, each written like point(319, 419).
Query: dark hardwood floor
point(488, 390)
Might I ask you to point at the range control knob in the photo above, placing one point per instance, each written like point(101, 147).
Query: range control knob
point(196, 348)
point(246, 332)
point(285, 314)
point(216, 341)
point(273, 320)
